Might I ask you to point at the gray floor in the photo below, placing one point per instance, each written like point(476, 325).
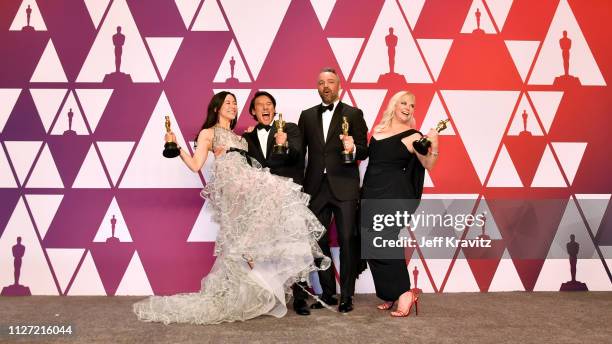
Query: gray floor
point(518, 317)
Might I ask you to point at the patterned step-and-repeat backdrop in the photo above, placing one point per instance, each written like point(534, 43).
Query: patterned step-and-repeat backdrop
point(90, 207)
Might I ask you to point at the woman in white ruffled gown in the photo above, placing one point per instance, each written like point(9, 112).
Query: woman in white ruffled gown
point(267, 238)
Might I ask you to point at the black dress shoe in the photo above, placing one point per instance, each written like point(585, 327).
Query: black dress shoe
point(330, 300)
point(301, 307)
point(345, 306)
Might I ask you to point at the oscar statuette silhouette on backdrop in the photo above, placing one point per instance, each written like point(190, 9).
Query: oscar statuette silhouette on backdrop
point(392, 77)
point(478, 30)
point(113, 239)
point(17, 289)
point(572, 249)
point(118, 77)
point(565, 44)
point(28, 27)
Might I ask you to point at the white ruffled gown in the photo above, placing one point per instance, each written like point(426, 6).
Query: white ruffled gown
point(262, 216)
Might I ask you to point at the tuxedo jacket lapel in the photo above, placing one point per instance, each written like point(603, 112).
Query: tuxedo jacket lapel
point(335, 122)
point(319, 120)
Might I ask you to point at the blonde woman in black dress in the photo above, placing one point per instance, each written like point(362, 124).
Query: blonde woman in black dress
point(396, 171)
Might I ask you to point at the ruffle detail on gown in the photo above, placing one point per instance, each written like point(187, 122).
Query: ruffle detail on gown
point(263, 217)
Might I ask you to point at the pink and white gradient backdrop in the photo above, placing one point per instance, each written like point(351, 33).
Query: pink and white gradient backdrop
point(59, 191)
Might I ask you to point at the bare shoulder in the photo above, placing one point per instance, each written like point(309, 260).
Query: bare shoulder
point(207, 133)
point(205, 137)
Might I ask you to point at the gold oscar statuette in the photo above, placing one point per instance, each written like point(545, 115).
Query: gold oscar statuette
point(279, 124)
point(171, 149)
point(347, 157)
point(422, 145)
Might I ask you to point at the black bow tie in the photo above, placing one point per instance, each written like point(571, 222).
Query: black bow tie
point(263, 126)
point(329, 107)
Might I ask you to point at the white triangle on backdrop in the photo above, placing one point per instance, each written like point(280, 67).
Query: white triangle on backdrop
point(187, 10)
point(370, 102)
point(428, 182)
point(7, 180)
point(45, 173)
point(254, 35)
point(78, 122)
point(490, 226)
point(291, 102)
point(412, 10)
point(35, 272)
point(594, 207)
point(94, 103)
point(474, 110)
point(22, 155)
point(115, 155)
point(105, 230)
point(346, 99)
point(424, 283)
point(461, 278)
point(570, 154)
point(546, 104)
point(346, 51)
point(64, 262)
point(435, 114)
point(435, 52)
point(96, 9)
point(134, 58)
point(522, 53)
point(363, 167)
point(571, 224)
point(365, 283)
point(164, 51)
point(204, 229)
point(533, 126)
point(240, 71)
point(548, 174)
point(9, 98)
point(504, 173)
point(148, 168)
point(134, 280)
point(47, 102)
point(323, 9)
point(210, 18)
point(91, 174)
point(506, 277)
point(49, 67)
point(43, 208)
point(499, 10)
point(87, 280)
point(21, 19)
point(554, 272)
point(438, 269)
point(549, 64)
point(470, 24)
point(375, 61)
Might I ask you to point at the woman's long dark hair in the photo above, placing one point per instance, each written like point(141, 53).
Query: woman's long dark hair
point(212, 116)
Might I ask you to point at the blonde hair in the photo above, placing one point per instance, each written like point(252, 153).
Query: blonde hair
point(387, 117)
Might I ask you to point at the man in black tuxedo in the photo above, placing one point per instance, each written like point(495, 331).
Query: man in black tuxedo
point(332, 184)
point(261, 140)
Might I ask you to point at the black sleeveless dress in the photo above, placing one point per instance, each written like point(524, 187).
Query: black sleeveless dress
point(392, 173)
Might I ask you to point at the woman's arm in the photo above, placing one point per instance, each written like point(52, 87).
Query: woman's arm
point(196, 161)
point(429, 160)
